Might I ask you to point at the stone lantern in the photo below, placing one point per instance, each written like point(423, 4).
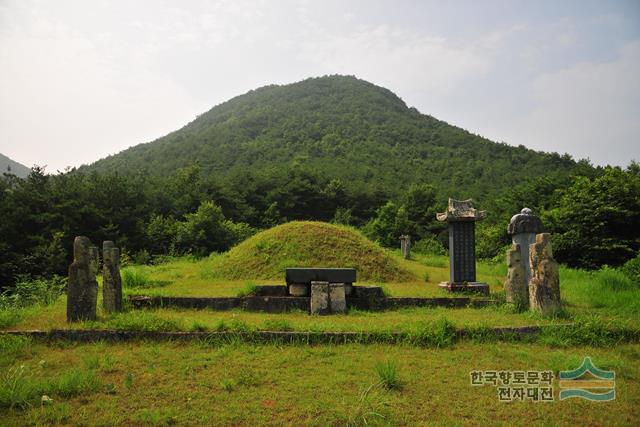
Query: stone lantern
point(523, 228)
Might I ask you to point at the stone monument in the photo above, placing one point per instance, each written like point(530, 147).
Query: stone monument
point(523, 228)
point(405, 246)
point(111, 280)
point(82, 291)
point(95, 259)
point(515, 287)
point(461, 217)
point(544, 285)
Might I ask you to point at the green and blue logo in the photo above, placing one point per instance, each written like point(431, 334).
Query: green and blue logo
point(588, 382)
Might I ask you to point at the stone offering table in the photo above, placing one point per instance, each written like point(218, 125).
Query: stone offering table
point(461, 217)
point(299, 279)
point(328, 287)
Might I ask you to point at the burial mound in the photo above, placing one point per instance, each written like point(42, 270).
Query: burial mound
point(310, 244)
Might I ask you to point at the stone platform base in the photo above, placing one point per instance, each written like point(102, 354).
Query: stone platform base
point(478, 287)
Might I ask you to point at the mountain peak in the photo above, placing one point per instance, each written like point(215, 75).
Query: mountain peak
point(339, 127)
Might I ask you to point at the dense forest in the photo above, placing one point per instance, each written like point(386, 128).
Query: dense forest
point(332, 149)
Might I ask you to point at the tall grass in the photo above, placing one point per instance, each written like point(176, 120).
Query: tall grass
point(388, 375)
point(138, 278)
point(607, 288)
point(27, 294)
point(248, 289)
point(20, 388)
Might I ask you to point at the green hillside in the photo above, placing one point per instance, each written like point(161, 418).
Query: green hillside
point(339, 127)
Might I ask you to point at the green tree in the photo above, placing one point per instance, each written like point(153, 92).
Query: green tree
point(203, 231)
point(598, 220)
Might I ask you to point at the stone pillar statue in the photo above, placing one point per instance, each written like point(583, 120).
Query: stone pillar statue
point(461, 217)
point(95, 259)
point(405, 246)
point(544, 285)
point(111, 280)
point(523, 228)
point(515, 287)
point(82, 291)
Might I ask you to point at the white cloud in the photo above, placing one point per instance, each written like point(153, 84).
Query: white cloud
point(589, 110)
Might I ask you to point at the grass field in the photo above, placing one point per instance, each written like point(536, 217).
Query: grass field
point(240, 382)
point(196, 384)
point(583, 297)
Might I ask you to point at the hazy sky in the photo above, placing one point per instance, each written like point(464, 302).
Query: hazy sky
point(80, 80)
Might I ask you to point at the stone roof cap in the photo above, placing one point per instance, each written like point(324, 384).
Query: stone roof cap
point(525, 222)
point(461, 210)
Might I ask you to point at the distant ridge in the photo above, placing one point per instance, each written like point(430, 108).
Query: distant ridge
point(11, 166)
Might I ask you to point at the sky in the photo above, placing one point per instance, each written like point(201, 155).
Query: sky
point(80, 80)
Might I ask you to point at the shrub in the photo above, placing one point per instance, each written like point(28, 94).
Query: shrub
point(238, 232)
point(28, 292)
point(631, 269)
point(429, 245)
point(142, 257)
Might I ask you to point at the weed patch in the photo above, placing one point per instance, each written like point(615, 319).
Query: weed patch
point(388, 375)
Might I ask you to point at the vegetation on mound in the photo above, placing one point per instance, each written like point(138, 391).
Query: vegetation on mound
point(309, 244)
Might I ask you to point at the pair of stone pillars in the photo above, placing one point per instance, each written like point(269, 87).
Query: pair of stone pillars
point(533, 279)
point(82, 291)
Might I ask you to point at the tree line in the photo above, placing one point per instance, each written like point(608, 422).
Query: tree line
point(594, 217)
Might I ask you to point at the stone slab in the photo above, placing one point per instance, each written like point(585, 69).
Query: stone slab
point(477, 287)
point(319, 303)
point(337, 298)
point(331, 275)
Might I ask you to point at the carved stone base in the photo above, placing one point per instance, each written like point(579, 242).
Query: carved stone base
point(478, 287)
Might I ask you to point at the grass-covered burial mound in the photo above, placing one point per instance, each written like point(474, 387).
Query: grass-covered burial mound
point(309, 244)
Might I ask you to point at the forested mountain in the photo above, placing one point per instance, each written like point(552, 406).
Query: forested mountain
point(333, 149)
point(339, 127)
point(10, 166)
